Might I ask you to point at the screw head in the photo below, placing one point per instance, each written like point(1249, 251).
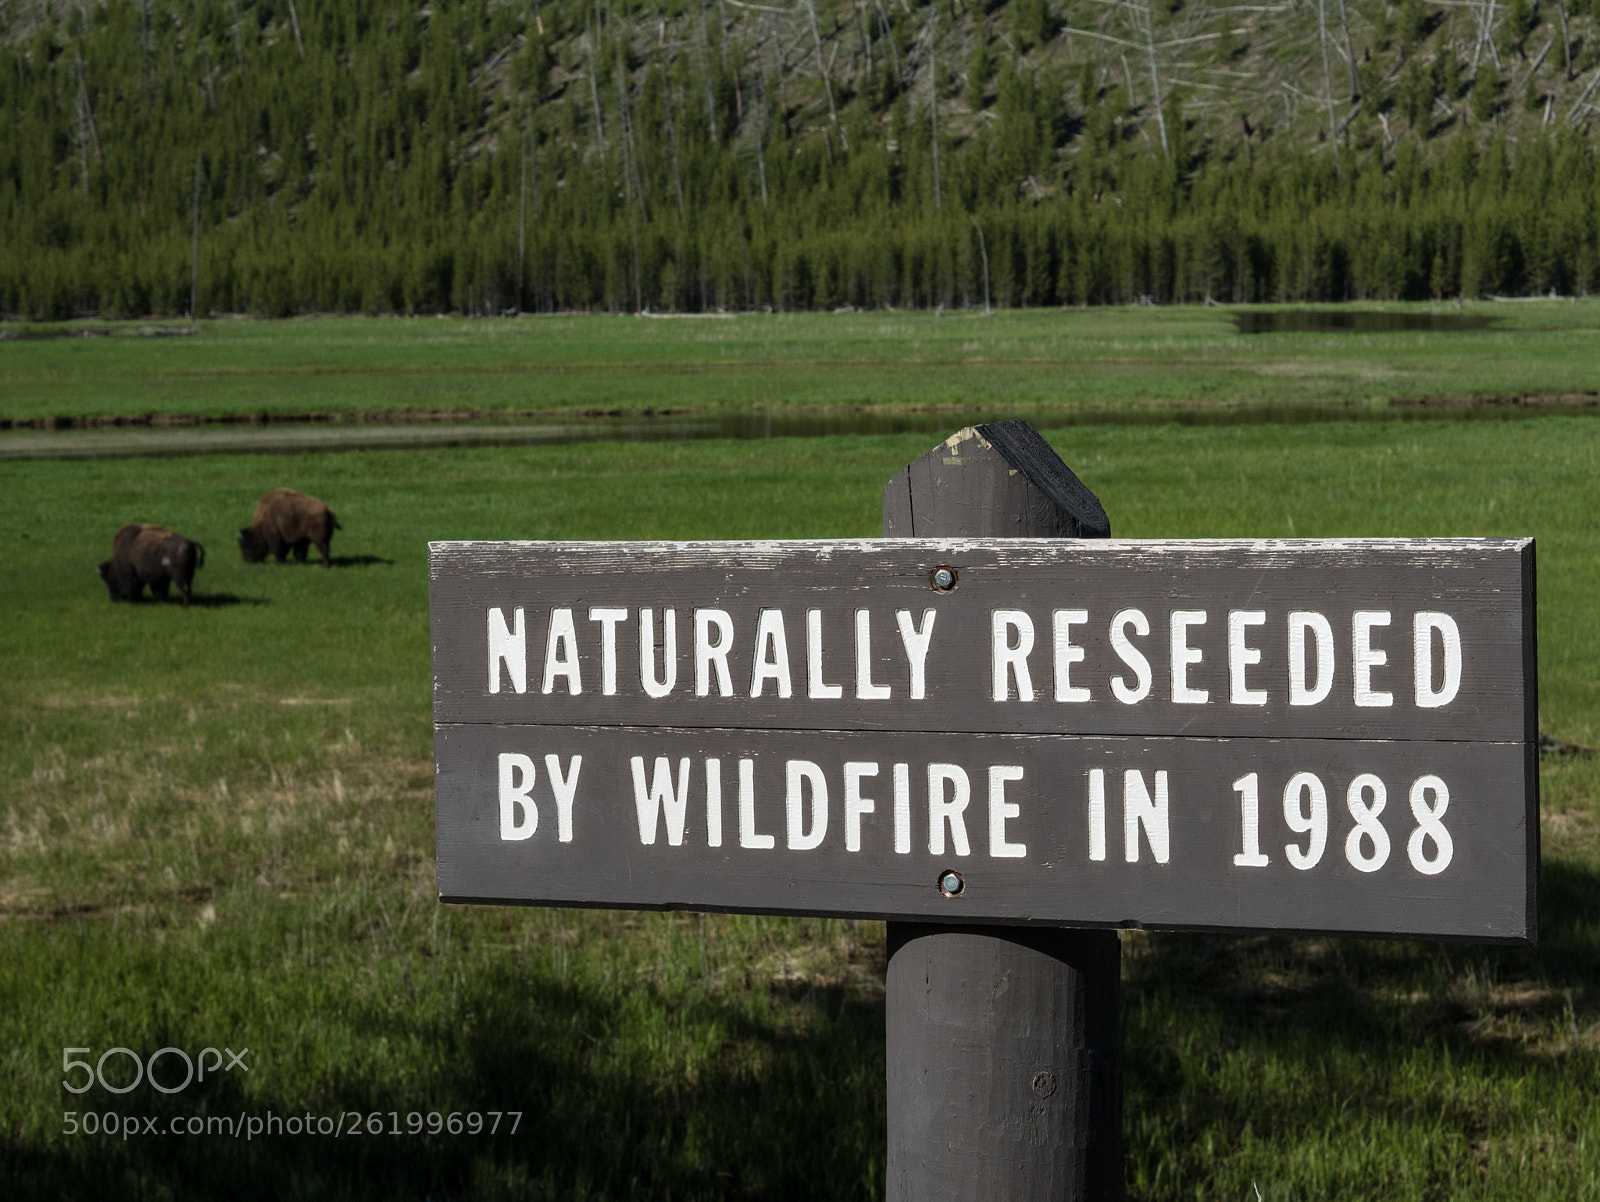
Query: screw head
point(951, 882)
point(944, 579)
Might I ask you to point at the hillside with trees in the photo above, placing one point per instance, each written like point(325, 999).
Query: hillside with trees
point(288, 156)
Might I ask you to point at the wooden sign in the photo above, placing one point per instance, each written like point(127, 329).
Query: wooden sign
point(1301, 735)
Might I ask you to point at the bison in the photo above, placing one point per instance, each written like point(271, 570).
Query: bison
point(287, 520)
point(152, 555)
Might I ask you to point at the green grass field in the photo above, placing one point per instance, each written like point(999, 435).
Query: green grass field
point(1015, 362)
point(216, 831)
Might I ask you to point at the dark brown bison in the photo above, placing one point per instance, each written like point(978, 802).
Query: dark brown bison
point(287, 520)
point(152, 555)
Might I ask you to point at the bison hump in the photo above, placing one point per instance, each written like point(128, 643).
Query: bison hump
point(292, 515)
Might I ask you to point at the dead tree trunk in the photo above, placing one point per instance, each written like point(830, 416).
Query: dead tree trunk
point(822, 66)
point(711, 96)
point(861, 27)
point(933, 99)
point(983, 249)
point(761, 143)
point(632, 183)
point(88, 111)
point(1349, 53)
point(294, 19)
point(1327, 76)
point(194, 247)
point(677, 188)
point(522, 220)
point(888, 34)
point(1155, 77)
point(594, 95)
point(211, 81)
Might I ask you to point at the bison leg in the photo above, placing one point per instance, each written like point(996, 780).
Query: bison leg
point(300, 548)
point(279, 549)
point(158, 588)
point(322, 547)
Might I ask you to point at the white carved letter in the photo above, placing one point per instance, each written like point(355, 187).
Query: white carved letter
point(748, 835)
point(1067, 654)
point(561, 653)
point(814, 685)
point(916, 643)
point(1183, 655)
point(1130, 655)
point(1241, 657)
point(1000, 809)
point(865, 689)
point(509, 647)
point(774, 667)
point(1007, 660)
point(1139, 810)
point(799, 774)
point(1301, 623)
point(608, 617)
point(660, 795)
point(515, 796)
point(942, 809)
point(1364, 656)
point(709, 653)
point(856, 805)
point(1423, 626)
point(566, 790)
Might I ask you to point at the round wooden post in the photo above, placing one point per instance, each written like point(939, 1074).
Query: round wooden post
point(1004, 1065)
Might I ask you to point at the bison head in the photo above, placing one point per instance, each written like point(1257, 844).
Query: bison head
point(122, 582)
point(251, 545)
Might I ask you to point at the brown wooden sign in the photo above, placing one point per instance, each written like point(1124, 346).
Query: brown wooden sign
point(1301, 735)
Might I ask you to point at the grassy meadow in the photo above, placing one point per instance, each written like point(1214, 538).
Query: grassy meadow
point(216, 831)
point(1036, 362)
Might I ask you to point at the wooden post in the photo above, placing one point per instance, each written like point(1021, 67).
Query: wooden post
point(1004, 1064)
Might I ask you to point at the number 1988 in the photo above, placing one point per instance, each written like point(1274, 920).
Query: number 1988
point(1366, 847)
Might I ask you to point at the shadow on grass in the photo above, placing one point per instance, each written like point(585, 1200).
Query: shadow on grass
point(772, 1114)
point(334, 561)
point(198, 600)
point(223, 600)
point(1274, 1035)
point(629, 1091)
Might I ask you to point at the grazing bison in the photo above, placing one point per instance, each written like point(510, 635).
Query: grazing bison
point(287, 520)
point(152, 555)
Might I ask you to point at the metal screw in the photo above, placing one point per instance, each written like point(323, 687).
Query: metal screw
point(951, 883)
point(944, 579)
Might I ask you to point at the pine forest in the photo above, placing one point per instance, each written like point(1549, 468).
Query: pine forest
point(279, 157)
